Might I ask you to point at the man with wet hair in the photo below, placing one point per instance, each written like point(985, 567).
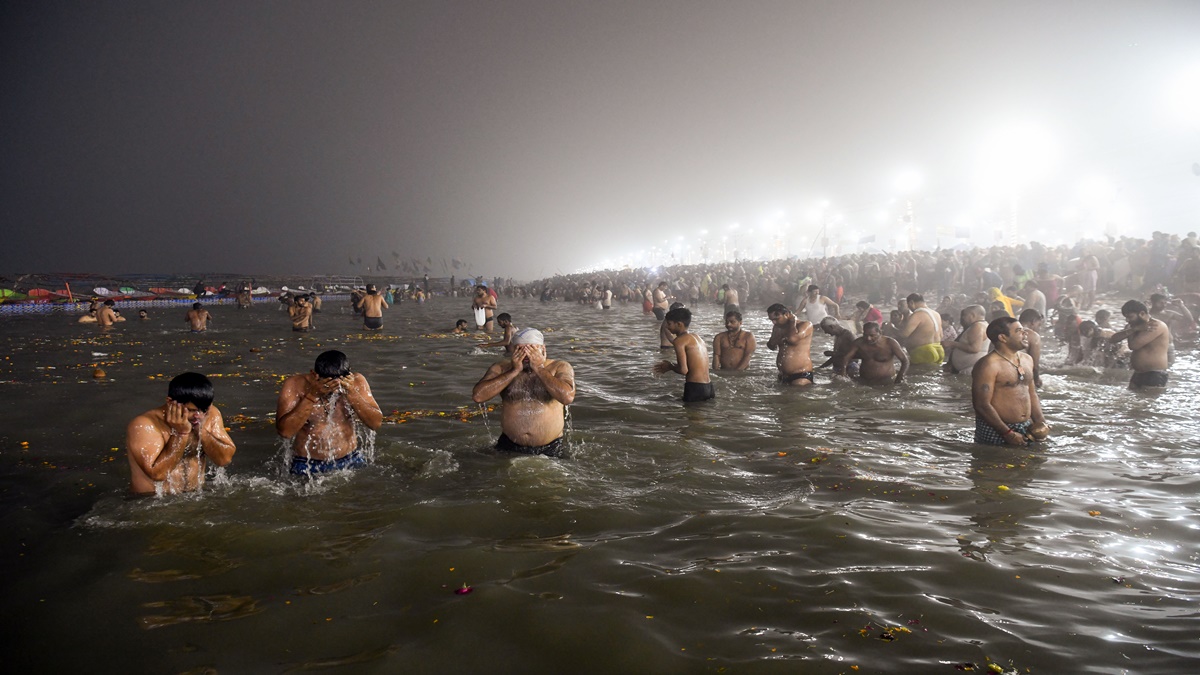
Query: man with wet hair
point(169, 446)
point(1007, 410)
point(198, 318)
point(373, 305)
point(318, 410)
point(921, 332)
point(1149, 343)
point(504, 320)
point(691, 357)
point(1178, 318)
point(301, 314)
point(878, 354)
point(842, 339)
point(970, 345)
point(793, 339)
point(534, 390)
point(733, 348)
point(106, 314)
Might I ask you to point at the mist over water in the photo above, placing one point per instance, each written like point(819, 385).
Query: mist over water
point(838, 526)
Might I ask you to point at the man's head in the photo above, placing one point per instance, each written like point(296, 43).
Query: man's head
point(1102, 317)
point(1135, 313)
point(831, 326)
point(971, 315)
point(527, 339)
point(142, 314)
point(372, 290)
point(504, 319)
point(733, 320)
point(1087, 328)
point(196, 305)
point(461, 324)
point(778, 312)
point(863, 305)
point(194, 392)
point(813, 290)
point(677, 318)
point(110, 303)
point(1031, 319)
point(1158, 302)
point(332, 364)
point(871, 332)
point(914, 300)
point(1007, 331)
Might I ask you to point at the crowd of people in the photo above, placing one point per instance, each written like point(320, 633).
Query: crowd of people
point(1001, 308)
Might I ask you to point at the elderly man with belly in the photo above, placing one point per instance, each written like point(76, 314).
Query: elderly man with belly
point(534, 390)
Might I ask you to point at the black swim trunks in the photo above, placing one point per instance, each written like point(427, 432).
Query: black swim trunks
point(303, 466)
point(1149, 378)
point(552, 449)
point(300, 330)
point(788, 379)
point(698, 391)
point(373, 322)
point(659, 313)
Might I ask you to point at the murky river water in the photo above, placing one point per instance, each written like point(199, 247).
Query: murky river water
point(840, 529)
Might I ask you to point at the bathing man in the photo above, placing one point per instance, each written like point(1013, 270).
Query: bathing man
point(534, 390)
point(316, 411)
point(921, 332)
point(1149, 342)
point(170, 445)
point(301, 314)
point(733, 348)
point(198, 318)
point(1006, 403)
point(842, 339)
point(504, 320)
point(793, 339)
point(691, 357)
point(971, 344)
point(877, 352)
point(373, 305)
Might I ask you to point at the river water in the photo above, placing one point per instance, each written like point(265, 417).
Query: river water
point(837, 529)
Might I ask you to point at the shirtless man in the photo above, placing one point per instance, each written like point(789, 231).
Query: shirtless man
point(301, 314)
point(504, 320)
point(691, 357)
point(843, 338)
point(317, 411)
point(731, 299)
point(1149, 341)
point(198, 318)
point(816, 307)
point(970, 345)
point(90, 317)
point(921, 333)
point(1034, 297)
point(1032, 320)
point(460, 327)
point(666, 339)
point(733, 348)
point(1006, 403)
point(878, 352)
point(373, 305)
point(534, 390)
point(662, 300)
point(793, 339)
point(484, 300)
point(106, 316)
point(1178, 318)
point(143, 315)
point(1095, 349)
point(169, 446)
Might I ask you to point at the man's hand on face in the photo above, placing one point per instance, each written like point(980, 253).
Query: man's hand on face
point(536, 358)
point(520, 352)
point(177, 418)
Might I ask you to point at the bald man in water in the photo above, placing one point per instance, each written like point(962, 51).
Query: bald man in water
point(534, 390)
point(971, 344)
point(317, 411)
point(168, 447)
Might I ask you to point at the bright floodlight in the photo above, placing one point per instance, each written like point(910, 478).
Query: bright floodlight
point(909, 181)
point(1016, 157)
point(1183, 96)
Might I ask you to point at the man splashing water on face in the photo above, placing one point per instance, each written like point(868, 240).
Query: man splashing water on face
point(534, 390)
point(316, 411)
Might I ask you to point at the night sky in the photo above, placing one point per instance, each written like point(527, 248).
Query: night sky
point(531, 138)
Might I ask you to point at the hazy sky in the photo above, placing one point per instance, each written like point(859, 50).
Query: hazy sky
point(528, 138)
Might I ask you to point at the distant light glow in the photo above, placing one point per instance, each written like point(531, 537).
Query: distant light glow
point(1015, 157)
point(909, 181)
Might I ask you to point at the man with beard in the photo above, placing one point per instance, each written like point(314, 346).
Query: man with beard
point(1007, 410)
point(534, 390)
point(733, 348)
point(1149, 341)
